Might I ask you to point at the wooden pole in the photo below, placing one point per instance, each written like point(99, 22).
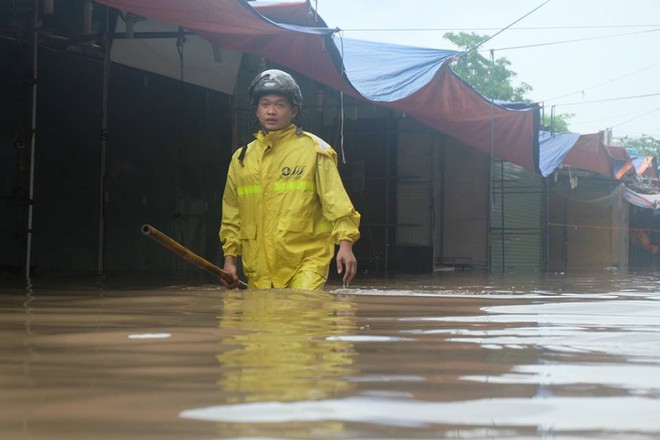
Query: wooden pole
point(188, 255)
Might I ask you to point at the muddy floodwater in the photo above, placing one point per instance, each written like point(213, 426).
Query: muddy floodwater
point(456, 355)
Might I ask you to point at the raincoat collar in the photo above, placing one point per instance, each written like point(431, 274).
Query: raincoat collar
point(276, 137)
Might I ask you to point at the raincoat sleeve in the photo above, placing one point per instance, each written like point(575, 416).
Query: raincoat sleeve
point(231, 222)
point(336, 205)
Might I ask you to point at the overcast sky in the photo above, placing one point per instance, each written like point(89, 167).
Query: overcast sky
point(593, 58)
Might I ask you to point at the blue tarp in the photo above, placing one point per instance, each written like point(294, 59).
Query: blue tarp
point(415, 81)
point(388, 72)
point(553, 149)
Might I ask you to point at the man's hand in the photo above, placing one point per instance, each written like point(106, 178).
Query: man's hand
point(230, 268)
point(346, 261)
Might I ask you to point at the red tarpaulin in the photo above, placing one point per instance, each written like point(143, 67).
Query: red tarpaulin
point(590, 154)
point(444, 102)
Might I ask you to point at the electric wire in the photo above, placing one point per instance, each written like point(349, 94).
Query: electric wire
point(505, 28)
point(636, 117)
point(577, 40)
point(654, 28)
point(581, 91)
point(620, 98)
point(517, 28)
point(598, 85)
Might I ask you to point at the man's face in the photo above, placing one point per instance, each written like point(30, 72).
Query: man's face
point(275, 112)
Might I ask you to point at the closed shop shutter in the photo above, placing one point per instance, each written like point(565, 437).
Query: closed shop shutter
point(464, 208)
point(517, 208)
point(414, 185)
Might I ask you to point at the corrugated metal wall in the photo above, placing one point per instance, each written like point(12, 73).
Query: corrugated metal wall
point(416, 156)
point(464, 205)
point(517, 210)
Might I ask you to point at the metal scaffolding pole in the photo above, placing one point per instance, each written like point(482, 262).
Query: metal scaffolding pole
point(33, 143)
point(107, 42)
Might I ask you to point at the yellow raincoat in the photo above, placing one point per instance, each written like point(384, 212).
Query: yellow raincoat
point(284, 208)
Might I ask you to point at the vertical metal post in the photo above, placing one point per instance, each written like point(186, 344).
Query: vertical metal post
point(105, 76)
point(434, 202)
point(491, 189)
point(489, 214)
point(33, 142)
point(502, 215)
point(387, 199)
point(546, 229)
point(179, 225)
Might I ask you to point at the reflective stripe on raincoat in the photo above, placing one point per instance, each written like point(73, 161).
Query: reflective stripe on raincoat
point(285, 207)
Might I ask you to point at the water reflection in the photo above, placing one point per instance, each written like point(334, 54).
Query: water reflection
point(497, 366)
point(285, 346)
point(282, 350)
point(448, 357)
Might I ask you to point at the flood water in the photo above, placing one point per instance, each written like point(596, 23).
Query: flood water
point(457, 355)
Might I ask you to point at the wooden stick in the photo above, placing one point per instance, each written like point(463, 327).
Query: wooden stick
point(188, 255)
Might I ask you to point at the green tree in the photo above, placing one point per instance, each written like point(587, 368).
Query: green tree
point(493, 78)
point(560, 123)
point(645, 145)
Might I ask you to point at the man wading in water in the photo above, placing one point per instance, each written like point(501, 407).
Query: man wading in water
point(284, 206)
